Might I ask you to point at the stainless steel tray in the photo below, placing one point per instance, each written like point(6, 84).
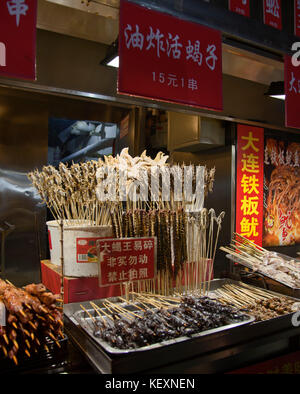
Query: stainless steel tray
point(294, 291)
point(183, 352)
point(86, 323)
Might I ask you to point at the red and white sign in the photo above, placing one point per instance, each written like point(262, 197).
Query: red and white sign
point(126, 260)
point(169, 59)
point(297, 18)
point(272, 13)
point(249, 182)
point(292, 93)
point(241, 7)
point(18, 38)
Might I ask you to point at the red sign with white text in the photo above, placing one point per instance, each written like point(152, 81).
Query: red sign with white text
point(169, 59)
point(241, 7)
point(126, 260)
point(297, 18)
point(272, 13)
point(249, 182)
point(18, 38)
point(292, 93)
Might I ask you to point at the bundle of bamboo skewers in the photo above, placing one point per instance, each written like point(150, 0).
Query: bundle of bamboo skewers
point(186, 246)
point(71, 192)
point(262, 304)
point(185, 230)
point(246, 251)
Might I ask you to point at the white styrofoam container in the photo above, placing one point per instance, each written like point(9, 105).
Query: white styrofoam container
point(76, 236)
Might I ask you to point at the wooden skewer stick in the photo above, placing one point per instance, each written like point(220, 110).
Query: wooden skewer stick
point(101, 310)
point(125, 310)
point(4, 350)
point(32, 325)
point(132, 303)
point(107, 307)
point(16, 344)
point(99, 314)
point(6, 339)
point(88, 313)
point(22, 313)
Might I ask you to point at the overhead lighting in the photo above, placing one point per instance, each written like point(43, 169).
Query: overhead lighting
point(112, 57)
point(114, 62)
point(276, 90)
point(278, 96)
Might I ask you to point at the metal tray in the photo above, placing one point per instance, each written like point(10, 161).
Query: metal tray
point(289, 290)
point(189, 351)
point(86, 323)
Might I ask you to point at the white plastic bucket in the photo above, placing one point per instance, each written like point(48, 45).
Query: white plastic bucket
point(79, 242)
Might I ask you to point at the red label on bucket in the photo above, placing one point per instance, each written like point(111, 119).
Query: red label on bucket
point(49, 239)
point(86, 251)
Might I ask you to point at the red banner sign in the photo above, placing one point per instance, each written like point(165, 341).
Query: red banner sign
point(292, 93)
point(169, 59)
point(241, 7)
point(272, 13)
point(297, 18)
point(249, 182)
point(126, 260)
point(17, 38)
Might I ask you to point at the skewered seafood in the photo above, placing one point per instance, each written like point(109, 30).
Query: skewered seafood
point(32, 318)
point(278, 267)
point(190, 316)
point(262, 304)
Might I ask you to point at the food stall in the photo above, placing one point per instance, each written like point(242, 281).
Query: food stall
point(198, 294)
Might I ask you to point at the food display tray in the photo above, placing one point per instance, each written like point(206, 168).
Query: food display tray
point(272, 283)
point(86, 324)
point(106, 359)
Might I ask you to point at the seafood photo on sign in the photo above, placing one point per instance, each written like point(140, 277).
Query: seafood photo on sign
point(281, 193)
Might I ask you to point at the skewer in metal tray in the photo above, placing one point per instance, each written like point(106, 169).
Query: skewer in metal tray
point(106, 359)
point(84, 319)
point(284, 288)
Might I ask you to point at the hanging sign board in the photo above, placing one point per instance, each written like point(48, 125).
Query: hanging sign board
point(272, 13)
point(292, 92)
point(281, 182)
point(169, 59)
point(126, 260)
point(241, 7)
point(297, 18)
point(249, 182)
point(18, 38)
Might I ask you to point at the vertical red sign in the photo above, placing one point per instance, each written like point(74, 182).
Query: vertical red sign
point(272, 13)
point(18, 38)
point(169, 59)
point(249, 182)
point(241, 7)
point(292, 92)
point(297, 18)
